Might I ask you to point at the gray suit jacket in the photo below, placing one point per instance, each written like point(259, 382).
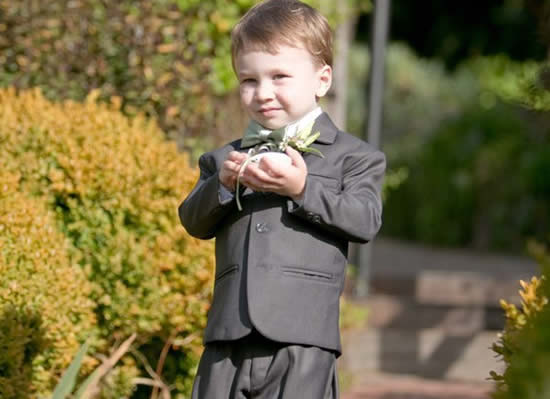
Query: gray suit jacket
point(280, 263)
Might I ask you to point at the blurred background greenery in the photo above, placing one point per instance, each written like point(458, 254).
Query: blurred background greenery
point(476, 161)
point(466, 130)
point(466, 91)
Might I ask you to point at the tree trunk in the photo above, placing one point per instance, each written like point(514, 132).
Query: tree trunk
point(336, 101)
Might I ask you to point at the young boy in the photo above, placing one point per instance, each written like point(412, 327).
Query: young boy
point(272, 329)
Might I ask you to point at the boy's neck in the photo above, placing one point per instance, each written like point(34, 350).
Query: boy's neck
point(293, 127)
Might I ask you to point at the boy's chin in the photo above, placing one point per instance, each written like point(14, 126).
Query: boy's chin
point(272, 125)
point(275, 123)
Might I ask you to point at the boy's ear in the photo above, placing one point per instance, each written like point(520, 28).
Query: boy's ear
point(325, 80)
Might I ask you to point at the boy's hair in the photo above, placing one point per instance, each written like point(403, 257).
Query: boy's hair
point(272, 23)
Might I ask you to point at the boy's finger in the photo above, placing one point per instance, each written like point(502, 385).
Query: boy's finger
point(296, 157)
point(261, 176)
point(271, 167)
point(231, 166)
point(237, 157)
point(253, 183)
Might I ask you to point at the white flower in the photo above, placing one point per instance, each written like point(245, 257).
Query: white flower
point(300, 141)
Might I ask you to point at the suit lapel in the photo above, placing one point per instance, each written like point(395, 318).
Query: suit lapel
point(328, 130)
point(328, 133)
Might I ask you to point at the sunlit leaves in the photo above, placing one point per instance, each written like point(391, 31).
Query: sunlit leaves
point(518, 82)
point(95, 197)
point(524, 345)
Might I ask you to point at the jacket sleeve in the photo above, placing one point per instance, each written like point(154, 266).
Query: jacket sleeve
point(207, 204)
point(354, 211)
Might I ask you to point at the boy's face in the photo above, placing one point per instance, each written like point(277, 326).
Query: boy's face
point(278, 89)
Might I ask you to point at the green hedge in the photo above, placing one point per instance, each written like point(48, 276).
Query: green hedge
point(111, 186)
point(476, 165)
point(478, 181)
point(167, 58)
point(44, 306)
point(524, 345)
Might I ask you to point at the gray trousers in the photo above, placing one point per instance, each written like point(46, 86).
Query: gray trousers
point(257, 368)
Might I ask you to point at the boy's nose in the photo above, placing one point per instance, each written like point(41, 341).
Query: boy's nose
point(264, 92)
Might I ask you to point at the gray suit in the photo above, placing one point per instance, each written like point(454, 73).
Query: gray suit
point(279, 263)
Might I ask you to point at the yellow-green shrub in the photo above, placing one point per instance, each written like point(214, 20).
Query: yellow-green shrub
point(524, 345)
point(114, 184)
point(44, 308)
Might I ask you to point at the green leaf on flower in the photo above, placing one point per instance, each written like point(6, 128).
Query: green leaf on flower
point(311, 139)
point(305, 132)
point(314, 151)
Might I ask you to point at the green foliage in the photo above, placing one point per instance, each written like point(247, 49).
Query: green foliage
point(112, 186)
point(352, 315)
point(68, 381)
point(167, 58)
point(159, 57)
point(475, 165)
point(525, 83)
point(393, 180)
point(478, 177)
point(419, 95)
point(524, 345)
point(89, 388)
point(44, 307)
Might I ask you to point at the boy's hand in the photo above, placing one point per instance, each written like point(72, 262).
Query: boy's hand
point(268, 175)
point(230, 169)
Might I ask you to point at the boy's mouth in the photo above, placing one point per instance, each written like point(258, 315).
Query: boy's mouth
point(268, 111)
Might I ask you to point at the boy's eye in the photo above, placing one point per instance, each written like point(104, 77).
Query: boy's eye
point(247, 80)
point(280, 76)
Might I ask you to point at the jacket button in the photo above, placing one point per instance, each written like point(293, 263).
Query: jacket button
point(262, 228)
point(316, 219)
point(310, 215)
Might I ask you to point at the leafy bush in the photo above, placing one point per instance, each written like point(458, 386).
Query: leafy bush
point(114, 185)
point(475, 165)
point(525, 343)
point(525, 83)
point(419, 95)
point(44, 308)
point(167, 58)
point(479, 176)
point(158, 56)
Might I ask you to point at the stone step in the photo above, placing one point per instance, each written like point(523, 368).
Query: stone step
point(386, 386)
point(427, 353)
point(399, 312)
point(433, 313)
point(453, 288)
point(452, 277)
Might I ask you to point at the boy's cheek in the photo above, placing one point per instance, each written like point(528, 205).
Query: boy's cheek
point(246, 96)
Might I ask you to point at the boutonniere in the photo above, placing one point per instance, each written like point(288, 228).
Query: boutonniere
point(301, 141)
